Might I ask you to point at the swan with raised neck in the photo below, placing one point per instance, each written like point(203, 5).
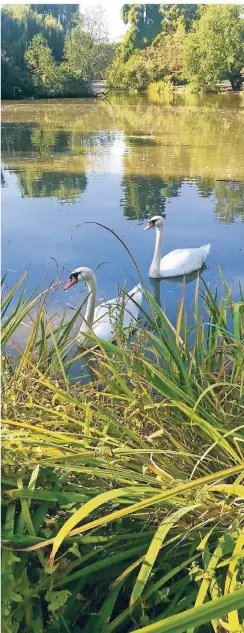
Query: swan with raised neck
point(181, 261)
point(102, 319)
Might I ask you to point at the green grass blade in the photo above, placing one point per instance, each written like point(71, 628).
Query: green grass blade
point(197, 616)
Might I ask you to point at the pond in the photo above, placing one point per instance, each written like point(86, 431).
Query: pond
point(118, 162)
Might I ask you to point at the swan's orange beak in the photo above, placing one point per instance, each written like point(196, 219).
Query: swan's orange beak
point(149, 226)
point(71, 282)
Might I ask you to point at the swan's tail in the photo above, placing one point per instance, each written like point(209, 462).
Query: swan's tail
point(205, 250)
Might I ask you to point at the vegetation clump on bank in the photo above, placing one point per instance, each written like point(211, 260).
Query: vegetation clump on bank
point(134, 479)
point(197, 45)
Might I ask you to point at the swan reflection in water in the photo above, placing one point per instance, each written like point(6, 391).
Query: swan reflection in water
point(169, 284)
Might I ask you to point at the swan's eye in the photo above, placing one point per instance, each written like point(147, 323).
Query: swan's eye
point(74, 275)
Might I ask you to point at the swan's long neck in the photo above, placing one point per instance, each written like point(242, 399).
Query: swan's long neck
point(87, 323)
point(155, 265)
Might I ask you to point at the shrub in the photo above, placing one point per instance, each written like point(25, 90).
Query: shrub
point(133, 75)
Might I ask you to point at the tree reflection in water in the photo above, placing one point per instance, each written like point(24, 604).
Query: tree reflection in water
point(146, 196)
point(228, 198)
point(51, 146)
point(64, 186)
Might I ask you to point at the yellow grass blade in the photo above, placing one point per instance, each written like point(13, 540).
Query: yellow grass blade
point(38, 429)
point(231, 582)
point(228, 489)
point(81, 514)
point(179, 317)
point(208, 576)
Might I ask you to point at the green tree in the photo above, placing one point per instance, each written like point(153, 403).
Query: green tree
point(145, 24)
point(215, 48)
point(164, 58)
point(115, 75)
point(50, 78)
point(104, 54)
point(79, 52)
point(153, 47)
point(20, 23)
point(175, 15)
point(133, 74)
point(86, 58)
point(65, 14)
point(53, 32)
point(40, 61)
point(15, 83)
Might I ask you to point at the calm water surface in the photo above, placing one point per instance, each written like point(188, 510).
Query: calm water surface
point(118, 162)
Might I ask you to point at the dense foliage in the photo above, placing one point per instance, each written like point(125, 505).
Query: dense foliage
point(86, 58)
point(215, 48)
point(145, 24)
point(47, 50)
point(198, 44)
point(123, 497)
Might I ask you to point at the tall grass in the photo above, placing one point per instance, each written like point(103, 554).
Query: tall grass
point(123, 497)
point(159, 89)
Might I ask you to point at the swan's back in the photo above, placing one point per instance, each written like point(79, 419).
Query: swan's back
point(132, 306)
point(107, 315)
point(183, 261)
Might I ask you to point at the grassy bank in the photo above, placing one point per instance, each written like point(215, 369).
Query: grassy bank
point(123, 497)
point(166, 89)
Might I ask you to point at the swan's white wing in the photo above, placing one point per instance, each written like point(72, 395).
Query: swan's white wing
point(131, 311)
point(107, 314)
point(103, 320)
point(183, 261)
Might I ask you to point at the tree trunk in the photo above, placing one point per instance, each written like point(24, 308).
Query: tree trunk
point(236, 81)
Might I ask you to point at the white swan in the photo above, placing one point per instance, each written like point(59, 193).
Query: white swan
point(103, 319)
point(182, 261)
